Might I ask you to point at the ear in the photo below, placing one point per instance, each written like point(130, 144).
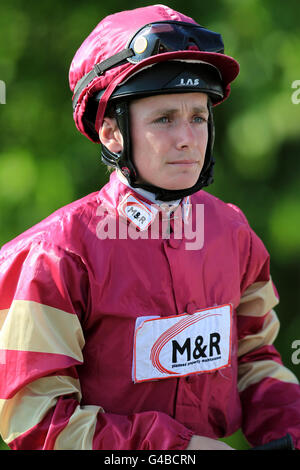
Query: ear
point(110, 135)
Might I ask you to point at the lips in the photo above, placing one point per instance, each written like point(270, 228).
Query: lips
point(184, 162)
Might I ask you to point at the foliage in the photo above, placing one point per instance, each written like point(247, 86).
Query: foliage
point(45, 163)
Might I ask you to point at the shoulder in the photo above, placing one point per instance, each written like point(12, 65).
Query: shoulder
point(63, 228)
point(220, 211)
point(228, 222)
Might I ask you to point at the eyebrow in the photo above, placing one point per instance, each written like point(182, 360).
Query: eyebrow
point(166, 110)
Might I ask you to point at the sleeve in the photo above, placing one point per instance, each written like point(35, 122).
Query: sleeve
point(43, 297)
point(269, 392)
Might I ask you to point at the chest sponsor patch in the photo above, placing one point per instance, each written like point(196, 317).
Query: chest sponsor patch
point(181, 345)
point(137, 212)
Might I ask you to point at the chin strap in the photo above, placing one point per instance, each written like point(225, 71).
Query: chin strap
point(123, 161)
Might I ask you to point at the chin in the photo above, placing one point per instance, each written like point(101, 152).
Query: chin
point(184, 183)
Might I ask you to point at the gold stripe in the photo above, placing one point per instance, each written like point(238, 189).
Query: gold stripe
point(31, 326)
point(253, 372)
point(79, 433)
point(264, 336)
point(3, 315)
point(28, 407)
point(258, 299)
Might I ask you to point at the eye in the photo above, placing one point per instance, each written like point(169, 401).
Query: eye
point(199, 119)
point(163, 120)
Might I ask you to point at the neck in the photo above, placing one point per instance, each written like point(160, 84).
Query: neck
point(148, 194)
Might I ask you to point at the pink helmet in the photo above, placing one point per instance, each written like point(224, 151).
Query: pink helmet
point(119, 47)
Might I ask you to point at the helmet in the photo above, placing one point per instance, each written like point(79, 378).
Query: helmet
point(142, 52)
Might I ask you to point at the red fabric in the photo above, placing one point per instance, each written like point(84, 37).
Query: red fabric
point(278, 415)
point(108, 284)
point(18, 368)
point(111, 36)
point(34, 439)
point(146, 430)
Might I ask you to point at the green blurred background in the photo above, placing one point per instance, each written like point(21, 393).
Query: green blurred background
point(46, 163)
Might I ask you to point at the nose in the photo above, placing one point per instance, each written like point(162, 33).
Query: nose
point(186, 137)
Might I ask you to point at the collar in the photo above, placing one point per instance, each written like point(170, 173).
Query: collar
point(148, 203)
point(167, 206)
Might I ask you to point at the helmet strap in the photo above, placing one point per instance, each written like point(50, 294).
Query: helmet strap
point(122, 160)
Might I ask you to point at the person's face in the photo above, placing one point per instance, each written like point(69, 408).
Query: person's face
point(169, 138)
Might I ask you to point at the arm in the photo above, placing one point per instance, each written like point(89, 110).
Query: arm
point(43, 299)
point(269, 392)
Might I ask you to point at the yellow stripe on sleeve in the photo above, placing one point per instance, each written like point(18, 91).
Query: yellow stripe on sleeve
point(3, 315)
point(265, 336)
point(258, 299)
point(31, 326)
point(253, 372)
point(28, 407)
point(80, 430)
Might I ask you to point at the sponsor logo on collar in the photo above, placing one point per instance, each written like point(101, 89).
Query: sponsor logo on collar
point(142, 214)
point(137, 212)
